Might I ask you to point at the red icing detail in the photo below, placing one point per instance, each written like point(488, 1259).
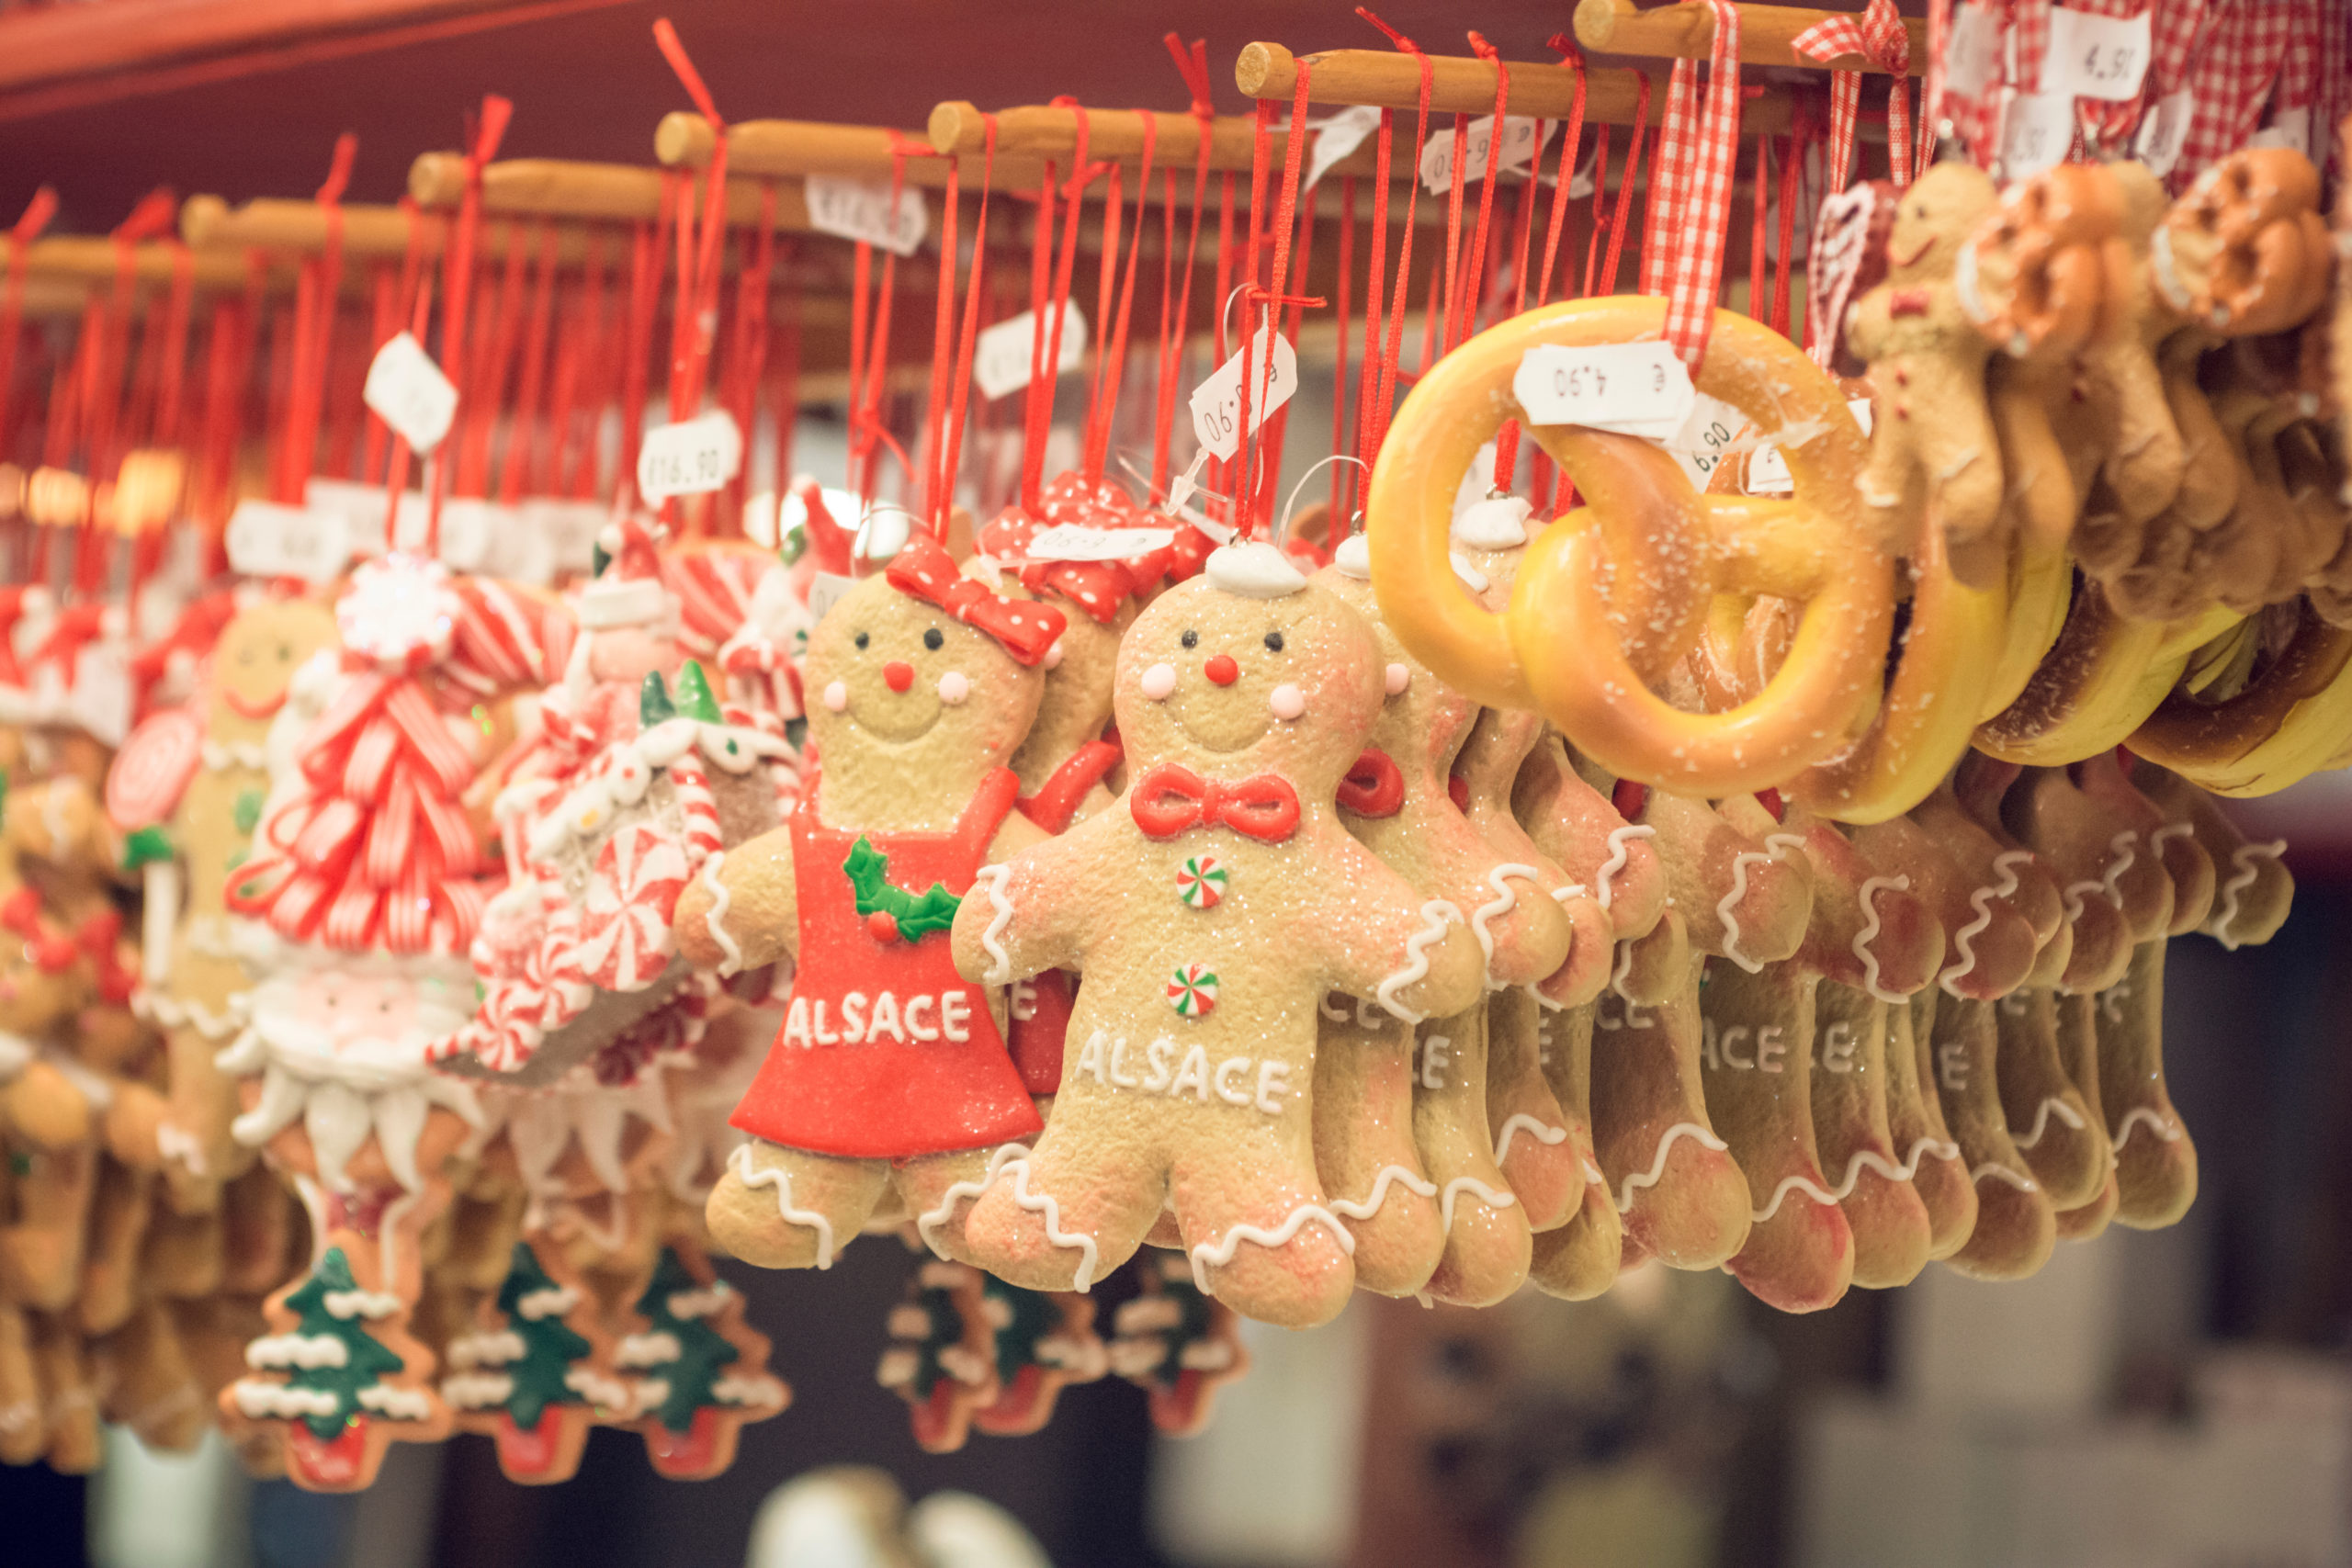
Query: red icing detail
point(1630, 797)
point(528, 1450)
point(1374, 786)
point(1907, 302)
point(883, 926)
point(1037, 1038)
point(153, 768)
point(934, 1421)
point(1457, 790)
point(1059, 798)
point(898, 674)
point(925, 570)
point(1769, 799)
point(1222, 669)
point(1170, 798)
point(893, 1097)
point(333, 1464)
point(685, 1455)
point(1024, 1406)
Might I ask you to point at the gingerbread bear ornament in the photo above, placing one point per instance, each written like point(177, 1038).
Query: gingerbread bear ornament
point(891, 1070)
point(1244, 698)
point(1933, 451)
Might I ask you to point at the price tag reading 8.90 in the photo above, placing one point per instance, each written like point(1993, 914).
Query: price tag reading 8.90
point(1639, 388)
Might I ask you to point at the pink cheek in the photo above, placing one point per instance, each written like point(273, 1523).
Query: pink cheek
point(1158, 682)
point(1287, 700)
point(1399, 677)
point(1054, 655)
point(836, 697)
point(953, 688)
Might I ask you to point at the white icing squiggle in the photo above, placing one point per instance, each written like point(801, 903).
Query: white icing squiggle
point(992, 939)
point(1545, 1133)
point(1043, 1205)
point(1863, 1159)
point(2138, 1116)
point(1390, 1176)
point(930, 1219)
point(753, 1176)
point(1964, 940)
point(1872, 888)
point(1620, 851)
point(2242, 858)
point(2076, 893)
point(1503, 903)
point(1651, 1176)
point(714, 920)
point(2050, 1106)
point(2000, 1172)
point(1624, 967)
point(1436, 914)
point(2121, 845)
point(1739, 865)
point(1487, 1195)
point(1216, 1255)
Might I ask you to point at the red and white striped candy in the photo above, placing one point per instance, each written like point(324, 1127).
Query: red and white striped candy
point(153, 768)
point(625, 936)
point(698, 806)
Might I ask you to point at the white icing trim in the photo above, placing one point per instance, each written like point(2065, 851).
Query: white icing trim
point(2050, 1106)
point(1218, 1253)
point(1620, 851)
point(714, 920)
point(1545, 1133)
point(169, 1012)
point(1472, 578)
point(1504, 902)
point(931, 1219)
point(1739, 865)
point(1000, 972)
point(361, 1303)
point(1353, 557)
point(1872, 888)
point(2165, 270)
point(2167, 1128)
point(777, 1177)
point(1861, 1160)
point(1657, 1162)
point(219, 756)
point(1389, 1175)
point(2122, 845)
point(1436, 914)
point(1497, 523)
point(2242, 858)
point(1253, 568)
point(1487, 1195)
point(2000, 1172)
point(1043, 1205)
point(1624, 967)
point(2005, 866)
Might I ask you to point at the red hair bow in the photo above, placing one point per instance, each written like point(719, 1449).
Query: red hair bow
point(925, 570)
point(1170, 798)
point(1374, 786)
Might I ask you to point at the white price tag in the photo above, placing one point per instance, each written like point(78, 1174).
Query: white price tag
point(265, 539)
point(1000, 356)
point(860, 210)
point(1335, 139)
point(2162, 132)
point(1518, 150)
point(2036, 133)
point(1216, 401)
point(693, 457)
point(1640, 389)
point(1768, 471)
point(407, 391)
point(825, 591)
point(469, 534)
point(2095, 57)
point(1078, 541)
point(2289, 129)
point(363, 508)
point(1973, 51)
point(1709, 433)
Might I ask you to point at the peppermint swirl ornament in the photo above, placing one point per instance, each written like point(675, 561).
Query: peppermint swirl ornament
point(1200, 884)
point(1191, 991)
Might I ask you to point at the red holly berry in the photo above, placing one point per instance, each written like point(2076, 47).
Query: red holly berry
point(883, 926)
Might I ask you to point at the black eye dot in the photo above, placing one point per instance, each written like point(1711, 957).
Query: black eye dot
point(859, 640)
point(1190, 639)
point(1273, 642)
point(935, 639)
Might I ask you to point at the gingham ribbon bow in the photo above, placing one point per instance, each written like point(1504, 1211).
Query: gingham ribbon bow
point(1879, 37)
point(1697, 157)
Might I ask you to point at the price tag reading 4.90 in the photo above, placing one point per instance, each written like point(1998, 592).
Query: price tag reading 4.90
point(692, 457)
point(1639, 388)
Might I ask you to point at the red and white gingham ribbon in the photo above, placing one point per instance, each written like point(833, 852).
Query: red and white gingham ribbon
point(1879, 37)
point(2243, 53)
point(1696, 161)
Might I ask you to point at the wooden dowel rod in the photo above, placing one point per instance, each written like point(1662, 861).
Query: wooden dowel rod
point(367, 231)
point(784, 147)
point(1688, 32)
point(93, 258)
point(1040, 131)
point(1458, 85)
point(555, 187)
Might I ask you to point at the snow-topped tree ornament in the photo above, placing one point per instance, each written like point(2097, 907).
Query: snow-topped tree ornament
point(699, 1371)
point(1177, 1344)
point(1045, 1341)
point(942, 1356)
point(535, 1372)
point(370, 875)
point(341, 1375)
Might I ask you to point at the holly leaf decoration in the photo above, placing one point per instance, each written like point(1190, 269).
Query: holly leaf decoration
point(917, 915)
point(146, 845)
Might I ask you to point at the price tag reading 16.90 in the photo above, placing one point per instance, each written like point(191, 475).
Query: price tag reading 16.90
point(691, 457)
point(1640, 388)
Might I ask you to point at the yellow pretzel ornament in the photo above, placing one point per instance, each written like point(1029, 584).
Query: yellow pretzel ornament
point(1610, 596)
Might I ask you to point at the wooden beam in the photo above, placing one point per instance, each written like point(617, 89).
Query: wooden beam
point(1688, 32)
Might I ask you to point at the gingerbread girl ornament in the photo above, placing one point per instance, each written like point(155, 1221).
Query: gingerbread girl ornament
point(891, 1070)
point(1244, 698)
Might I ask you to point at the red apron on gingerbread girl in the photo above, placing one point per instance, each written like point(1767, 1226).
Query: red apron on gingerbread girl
point(891, 1071)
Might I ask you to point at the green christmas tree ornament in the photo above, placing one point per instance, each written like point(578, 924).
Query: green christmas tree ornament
point(694, 695)
point(654, 704)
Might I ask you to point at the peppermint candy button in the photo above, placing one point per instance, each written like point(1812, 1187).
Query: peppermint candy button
point(155, 765)
point(1191, 991)
point(1200, 884)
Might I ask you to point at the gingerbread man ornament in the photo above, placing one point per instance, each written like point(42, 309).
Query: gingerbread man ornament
point(1244, 699)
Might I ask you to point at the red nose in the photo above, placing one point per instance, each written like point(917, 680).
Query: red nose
point(899, 675)
point(1222, 669)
